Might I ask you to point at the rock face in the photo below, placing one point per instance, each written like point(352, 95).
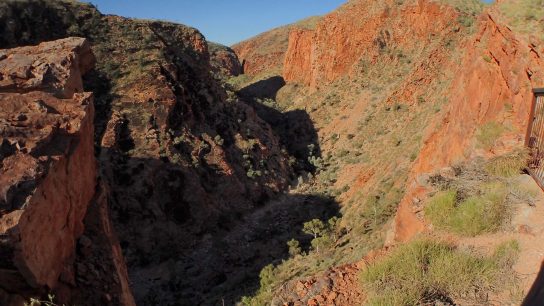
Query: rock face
point(48, 180)
point(181, 162)
point(499, 70)
point(224, 60)
point(48, 173)
point(265, 53)
point(345, 36)
point(57, 68)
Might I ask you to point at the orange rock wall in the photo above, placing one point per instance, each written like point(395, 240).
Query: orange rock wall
point(48, 171)
point(53, 218)
point(498, 69)
point(361, 29)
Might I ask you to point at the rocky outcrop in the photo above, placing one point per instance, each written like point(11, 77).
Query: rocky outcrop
point(224, 60)
point(48, 173)
point(264, 54)
point(300, 50)
point(48, 182)
point(56, 67)
point(182, 162)
point(337, 286)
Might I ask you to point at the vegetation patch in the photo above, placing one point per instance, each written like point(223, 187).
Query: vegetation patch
point(509, 164)
point(488, 134)
point(428, 272)
point(525, 16)
point(468, 10)
point(472, 216)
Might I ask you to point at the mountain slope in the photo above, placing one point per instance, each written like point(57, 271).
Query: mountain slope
point(177, 156)
point(400, 91)
point(351, 142)
point(263, 55)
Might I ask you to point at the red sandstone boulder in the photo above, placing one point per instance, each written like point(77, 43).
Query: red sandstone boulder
point(55, 67)
point(47, 164)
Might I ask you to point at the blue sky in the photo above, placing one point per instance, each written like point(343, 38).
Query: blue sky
point(223, 21)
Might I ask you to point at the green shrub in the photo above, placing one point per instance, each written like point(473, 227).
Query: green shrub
point(36, 302)
point(266, 277)
point(509, 164)
point(294, 247)
point(426, 271)
point(219, 140)
point(254, 174)
point(441, 208)
point(473, 216)
point(380, 207)
point(488, 134)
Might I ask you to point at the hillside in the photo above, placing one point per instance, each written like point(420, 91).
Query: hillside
point(177, 156)
point(262, 56)
point(402, 94)
point(370, 156)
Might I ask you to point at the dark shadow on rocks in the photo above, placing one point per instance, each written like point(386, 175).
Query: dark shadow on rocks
point(294, 128)
point(227, 267)
point(195, 235)
point(535, 297)
point(98, 83)
point(262, 89)
point(184, 251)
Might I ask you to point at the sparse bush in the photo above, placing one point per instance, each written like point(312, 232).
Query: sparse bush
point(509, 164)
point(441, 208)
point(317, 162)
point(266, 277)
point(324, 233)
point(178, 140)
point(524, 15)
point(219, 140)
point(314, 227)
point(488, 134)
point(36, 302)
point(426, 271)
point(322, 242)
point(253, 174)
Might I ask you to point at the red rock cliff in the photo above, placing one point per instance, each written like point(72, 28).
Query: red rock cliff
point(265, 53)
point(360, 29)
point(499, 70)
point(48, 170)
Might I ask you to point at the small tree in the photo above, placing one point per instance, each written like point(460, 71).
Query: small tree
point(317, 229)
point(321, 242)
point(324, 233)
point(332, 226)
point(294, 247)
point(314, 227)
